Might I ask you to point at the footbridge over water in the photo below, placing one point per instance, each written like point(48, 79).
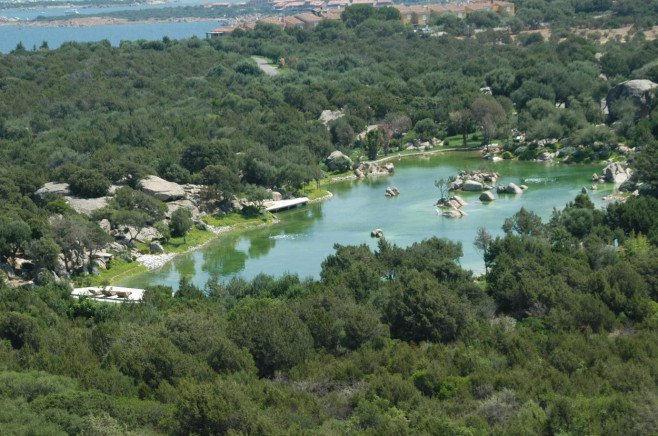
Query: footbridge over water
point(275, 206)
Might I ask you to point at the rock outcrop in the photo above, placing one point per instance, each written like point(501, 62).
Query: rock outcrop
point(616, 173)
point(487, 196)
point(472, 185)
point(473, 180)
point(392, 192)
point(377, 233)
point(640, 92)
point(453, 213)
point(327, 116)
point(162, 189)
point(53, 188)
point(85, 206)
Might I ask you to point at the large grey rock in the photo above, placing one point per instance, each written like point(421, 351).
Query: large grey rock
point(513, 189)
point(162, 189)
point(155, 247)
point(53, 188)
point(175, 205)
point(453, 213)
point(148, 234)
point(487, 196)
point(640, 92)
point(389, 168)
point(472, 185)
point(392, 192)
point(377, 233)
point(85, 206)
point(460, 201)
point(615, 173)
point(276, 196)
point(105, 225)
point(338, 161)
point(327, 116)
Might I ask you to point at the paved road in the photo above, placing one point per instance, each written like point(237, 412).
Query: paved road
point(265, 66)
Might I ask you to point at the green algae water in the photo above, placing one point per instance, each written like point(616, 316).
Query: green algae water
point(306, 235)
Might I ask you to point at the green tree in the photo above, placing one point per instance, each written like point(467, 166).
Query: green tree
point(181, 222)
point(89, 183)
point(14, 237)
point(373, 143)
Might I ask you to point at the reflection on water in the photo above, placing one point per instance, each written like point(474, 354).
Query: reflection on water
point(306, 235)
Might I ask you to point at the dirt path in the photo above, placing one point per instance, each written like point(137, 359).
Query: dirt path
point(264, 65)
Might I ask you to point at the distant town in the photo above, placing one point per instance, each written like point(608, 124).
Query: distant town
point(312, 12)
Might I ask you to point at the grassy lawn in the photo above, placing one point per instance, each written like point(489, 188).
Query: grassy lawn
point(192, 239)
point(237, 220)
point(117, 269)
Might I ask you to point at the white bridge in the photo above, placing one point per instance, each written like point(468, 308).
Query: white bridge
point(275, 206)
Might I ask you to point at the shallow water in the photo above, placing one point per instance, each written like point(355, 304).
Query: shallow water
point(306, 235)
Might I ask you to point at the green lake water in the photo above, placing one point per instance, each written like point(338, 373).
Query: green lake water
point(306, 235)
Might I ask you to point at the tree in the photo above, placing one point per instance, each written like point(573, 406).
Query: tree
point(181, 222)
point(443, 187)
point(461, 121)
point(89, 183)
point(524, 223)
point(14, 237)
point(646, 166)
point(45, 252)
point(482, 240)
point(373, 143)
point(133, 221)
point(489, 115)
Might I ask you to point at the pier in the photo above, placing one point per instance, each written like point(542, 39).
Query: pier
point(275, 206)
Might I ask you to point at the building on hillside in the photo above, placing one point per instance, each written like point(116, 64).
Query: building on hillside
point(273, 20)
point(480, 6)
point(504, 7)
point(220, 31)
point(309, 19)
point(419, 15)
point(364, 2)
point(338, 4)
point(292, 21)
point(406, 14)
point(333, 14)
point(455, 9)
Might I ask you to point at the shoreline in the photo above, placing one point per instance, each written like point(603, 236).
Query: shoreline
point(155, 261)
point(95, 21)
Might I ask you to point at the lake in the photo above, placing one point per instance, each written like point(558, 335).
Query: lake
point(306, 235)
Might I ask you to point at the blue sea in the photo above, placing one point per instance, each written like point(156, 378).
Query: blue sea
point(33, 36)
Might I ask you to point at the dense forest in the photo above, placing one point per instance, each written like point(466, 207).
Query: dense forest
point(558, 337)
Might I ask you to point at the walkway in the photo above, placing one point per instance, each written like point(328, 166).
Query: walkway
point(264, 65)
point(275, 206)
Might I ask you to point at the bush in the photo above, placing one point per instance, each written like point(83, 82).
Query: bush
point(89, 183)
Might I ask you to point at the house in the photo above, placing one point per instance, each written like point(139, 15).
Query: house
point(381, 3)
point(406, 14)
point(504, 7)
point(364, 2)
point(481, 6)
point(333, 14)
point(337, 4)
point(309, 19)
point(273, 20)
point(455, 9)
point(220, 31)
point(292, 21)
point(419, 15)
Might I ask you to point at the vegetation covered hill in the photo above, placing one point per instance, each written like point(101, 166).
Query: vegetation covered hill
point(558, 337)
